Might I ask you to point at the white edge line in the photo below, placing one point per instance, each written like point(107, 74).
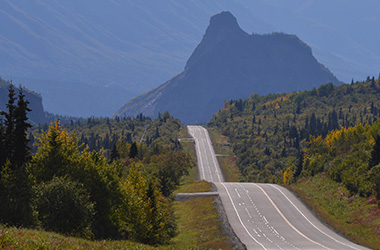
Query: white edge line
point(310, 221)
point(241, 222)
point(197, 142)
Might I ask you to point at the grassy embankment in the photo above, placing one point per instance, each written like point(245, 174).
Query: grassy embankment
point(198, 225)
point(356, 217)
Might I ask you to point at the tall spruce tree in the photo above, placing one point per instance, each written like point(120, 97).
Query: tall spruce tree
point(21, 141)
point(9, 123)
point(114, 153)
point(375, 154)
point(133, 150)
point(2, 145)
point(299, 165)
point(15, 185)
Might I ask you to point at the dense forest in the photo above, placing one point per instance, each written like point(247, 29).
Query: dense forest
point(105, 133)
point(270, 133)
point(100, 179)
point(350, 156)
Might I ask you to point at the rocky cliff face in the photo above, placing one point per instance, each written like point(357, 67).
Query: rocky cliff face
point(231, 64)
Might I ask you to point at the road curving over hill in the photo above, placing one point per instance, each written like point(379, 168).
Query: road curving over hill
point(265, 216)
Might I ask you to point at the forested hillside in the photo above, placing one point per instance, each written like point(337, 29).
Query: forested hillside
point(339, 177)
point(269, 132)
point(324, 144)
point(105, 133)
point(71, 187)
point(350, 156)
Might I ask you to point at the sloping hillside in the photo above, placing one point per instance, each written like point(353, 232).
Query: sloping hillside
point(269, 132)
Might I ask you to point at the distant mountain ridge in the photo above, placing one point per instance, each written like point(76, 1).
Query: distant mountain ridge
point(230, 64)
point(76, 53)
point(114, 50)
point(37, 115)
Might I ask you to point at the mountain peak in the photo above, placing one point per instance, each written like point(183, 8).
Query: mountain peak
point(223, 18)
point(230, 64)
point(223, 25)
point(223, 28)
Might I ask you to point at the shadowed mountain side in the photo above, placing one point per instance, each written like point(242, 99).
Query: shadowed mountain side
point(37, 115)
point(231, 64)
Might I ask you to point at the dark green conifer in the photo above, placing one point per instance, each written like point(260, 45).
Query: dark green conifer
point(15, 184)
point(114, 153)
point(21, 141)
point(2, 144)
point(133, 151)
point(299, 165)
point(9, 123)
point(375, 154)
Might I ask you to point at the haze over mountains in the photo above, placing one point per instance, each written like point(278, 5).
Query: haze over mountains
point(76, 53)
point(230, 64)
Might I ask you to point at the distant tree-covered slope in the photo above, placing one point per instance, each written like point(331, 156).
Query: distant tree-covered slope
point(269, 132)
point(37, 115)
point(104, 133)
point(230, 64)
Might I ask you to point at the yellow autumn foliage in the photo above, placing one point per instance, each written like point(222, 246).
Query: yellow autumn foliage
point(287, 176)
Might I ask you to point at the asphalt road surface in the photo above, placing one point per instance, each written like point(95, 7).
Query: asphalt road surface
point(208, 165)
point(265, 216)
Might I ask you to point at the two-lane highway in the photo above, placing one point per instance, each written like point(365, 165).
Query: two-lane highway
point(208, 165)
point(268, 216)
point(265, 216)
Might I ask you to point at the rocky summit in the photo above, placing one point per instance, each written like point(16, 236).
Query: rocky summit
point(231, 64)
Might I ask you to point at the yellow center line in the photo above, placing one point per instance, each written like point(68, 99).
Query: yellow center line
point(286, 220)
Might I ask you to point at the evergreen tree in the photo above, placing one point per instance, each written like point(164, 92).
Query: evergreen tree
point(10, 123)
point(333, 121)
point(114, 153)
point(22, 149)
point(133, 151)
point(299, 165)
point(298, 110)
point(15, 184)
point(313, 124)
point(375, 154)
point(2, 145)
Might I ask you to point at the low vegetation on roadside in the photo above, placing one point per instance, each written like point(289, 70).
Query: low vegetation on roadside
point(358, 218)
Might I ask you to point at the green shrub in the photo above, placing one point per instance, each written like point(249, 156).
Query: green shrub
point(64, 206)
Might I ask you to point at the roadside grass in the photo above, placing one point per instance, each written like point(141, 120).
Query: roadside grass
point(199, 225)
point(193, 187)
point(31, 239)
point(356, 217)
point(226, 158)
